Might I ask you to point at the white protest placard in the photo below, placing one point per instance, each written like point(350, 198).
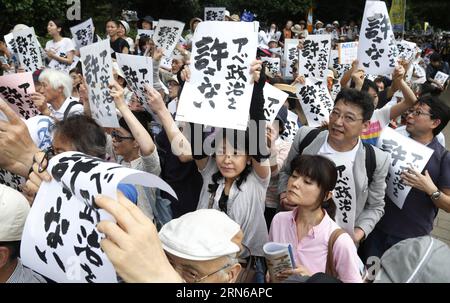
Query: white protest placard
point(166, 63)
point(28, 49)
point(60, 238)
point(220, 89)
point(405, 152)
point(272, 65)
point(418, 74)
point(315, 100)
point(377, 50)
point(290, 128)
point(83, 33)
point(334, 64)
point(314, 56)
point(274, 99)
point(215, 13)
point(290, 58)
point(97, 70)
point(406, 50)
point(138, 72)
point(145, 33)
point(167, 34)
point(16, 89)
point(344, 195)
point(9, 40)
point(348, 52)
point(441, 77)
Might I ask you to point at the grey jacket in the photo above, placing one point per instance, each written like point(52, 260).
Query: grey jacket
point(369, 200)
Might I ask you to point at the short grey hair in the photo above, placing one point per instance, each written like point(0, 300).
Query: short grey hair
point(58, 79)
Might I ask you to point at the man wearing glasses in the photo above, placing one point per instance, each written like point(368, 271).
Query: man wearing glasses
point(203, 246)
point(350, 117)
point(430, 188)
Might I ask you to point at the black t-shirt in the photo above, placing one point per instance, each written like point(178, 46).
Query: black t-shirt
point(118, 45)
point(184, 178)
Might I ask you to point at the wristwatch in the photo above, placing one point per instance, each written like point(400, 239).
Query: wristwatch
point(436, 195)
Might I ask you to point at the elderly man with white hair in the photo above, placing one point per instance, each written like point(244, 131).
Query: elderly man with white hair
point(54, 95)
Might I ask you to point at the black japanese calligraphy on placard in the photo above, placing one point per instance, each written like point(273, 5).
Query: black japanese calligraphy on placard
point(314, 56)
point(138, 71)
point(167, 34)
point(316, 102)
point(405, 153)
point(272, 66)
point(97, 70)
point(377, 50)
point(214, 13)
point(28, 49)
point(221, 83)
point(16, 89)
point(290, 128)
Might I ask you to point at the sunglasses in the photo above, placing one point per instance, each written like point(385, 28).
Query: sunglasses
point(120, 138)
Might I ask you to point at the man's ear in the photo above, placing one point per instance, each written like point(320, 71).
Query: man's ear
point(233, 273)
point(366, 125)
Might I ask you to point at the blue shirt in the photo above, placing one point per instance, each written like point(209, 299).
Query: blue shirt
point(129, 191)
point(416, 217)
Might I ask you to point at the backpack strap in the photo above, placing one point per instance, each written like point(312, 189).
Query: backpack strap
point(371, 161)
point(69, 107)
point(330, 268)
point(309, 138)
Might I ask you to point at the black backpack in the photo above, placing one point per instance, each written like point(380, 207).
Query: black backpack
point(69, 107)
point(371, 163)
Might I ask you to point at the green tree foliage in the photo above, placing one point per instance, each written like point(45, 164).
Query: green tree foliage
point(34, 13)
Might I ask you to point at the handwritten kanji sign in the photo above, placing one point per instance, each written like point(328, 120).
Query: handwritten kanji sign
point(145, 33)
point(348, 52)
point(405, 152)
point(60, 238)
point(272, 66)
point(83, 33)
point(215, 13)
point(334, 64)
point(377, 51)
point(344, 195)
point(290, 128)
point(28, 49)
point(138, 72)
point(220, 90)
point(441, 78)
point(16, 89)
point(290, 58)
point(97, 70)
point(406, 50)
point(315, 100)
point(274, 100)
point(314, 56)
point(167, 34)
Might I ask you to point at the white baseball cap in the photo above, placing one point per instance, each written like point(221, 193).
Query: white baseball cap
point(14, 209)
point(118, 70)
point(205, 234)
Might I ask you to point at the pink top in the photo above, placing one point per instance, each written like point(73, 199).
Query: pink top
point(312, 250)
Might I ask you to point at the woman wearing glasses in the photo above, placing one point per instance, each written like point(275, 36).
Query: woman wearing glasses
point(133, 143)
point(234, 180)
point(309, 227)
